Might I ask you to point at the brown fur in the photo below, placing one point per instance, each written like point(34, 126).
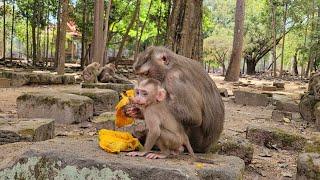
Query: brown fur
point(108, 74)
point(91, 72)
point(164, 130)
point(193, 97)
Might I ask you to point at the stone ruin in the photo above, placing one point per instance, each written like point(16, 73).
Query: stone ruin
point(309, 106)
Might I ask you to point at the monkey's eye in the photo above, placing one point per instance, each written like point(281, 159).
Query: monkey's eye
point(145, 73)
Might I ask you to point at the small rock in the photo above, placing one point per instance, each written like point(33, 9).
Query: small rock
point(286, 120)
point(223, 92)
point(287, 174)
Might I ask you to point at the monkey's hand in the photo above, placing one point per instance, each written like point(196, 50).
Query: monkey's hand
point(133, 111)
point(137, 153)
point(156, 156)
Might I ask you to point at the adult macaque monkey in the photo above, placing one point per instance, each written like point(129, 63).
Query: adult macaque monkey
point(108, 74)
point(91, 72)
point(193, 97)
point(163, 129)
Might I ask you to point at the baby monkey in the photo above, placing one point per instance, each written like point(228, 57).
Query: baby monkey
point(163, 129)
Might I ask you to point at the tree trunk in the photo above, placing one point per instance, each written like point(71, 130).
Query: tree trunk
point(58, 34)
point(106, 31)
point(295, 64)
point(84, 34)
point(34, 44)
point(47, 48)
point(62, 36)
point(274, 38)
point(98, 32)
point(137, 48)
point(185, 28)
point(38, 44)
point(233, 71)
point(27, 46)
point(4, 29)
point(251, 67)
point(283, 38)
point(12, 29)
point(310, 56)
point(125, 36)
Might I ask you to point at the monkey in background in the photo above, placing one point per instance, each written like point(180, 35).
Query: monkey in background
point(163, 129)
point(108, 74)
point(91, 72)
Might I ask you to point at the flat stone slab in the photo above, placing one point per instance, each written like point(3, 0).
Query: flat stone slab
point(234, 146)
point(16, 130)
point(63, 108)
point(251, 98)
point(275, 138)
point(308, 166)
point(104, 100)
point(24, 78)
point(67, 158)
point(285, 103)
point(114, 86)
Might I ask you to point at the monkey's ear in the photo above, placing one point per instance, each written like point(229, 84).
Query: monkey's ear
point(163, 57)
point(161, 95)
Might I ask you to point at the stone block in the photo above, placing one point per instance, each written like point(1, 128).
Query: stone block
point(63, 108)
point(306, 107)
point(16, 130)
point(17, 78)
point(317, 115)
point(105, 121)
point(104, 100)
point(114, 86)
point(251, 98)
point(275, 138)
point(234, 146)
point(280, 115)
point(285, 103)
point(75, 158)
point(308, 166)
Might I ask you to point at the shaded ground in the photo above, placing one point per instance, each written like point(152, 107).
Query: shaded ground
point(267, 163)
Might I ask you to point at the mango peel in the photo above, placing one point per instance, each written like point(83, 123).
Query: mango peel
point(116, 141)
point(121, 118)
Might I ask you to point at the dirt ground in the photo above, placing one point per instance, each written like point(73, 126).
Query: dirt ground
point(267, 163)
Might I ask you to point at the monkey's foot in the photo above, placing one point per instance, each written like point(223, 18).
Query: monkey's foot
point(136, 153)
point(156, 156)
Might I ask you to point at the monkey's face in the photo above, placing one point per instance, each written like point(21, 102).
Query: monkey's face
point(145, 96)
point(152, 63)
